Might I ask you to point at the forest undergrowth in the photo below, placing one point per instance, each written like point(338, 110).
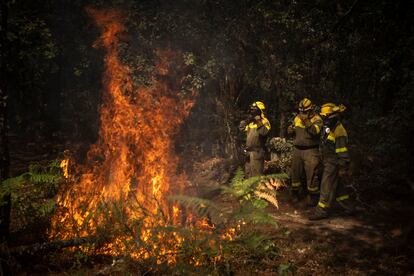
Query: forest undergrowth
point(229, 239)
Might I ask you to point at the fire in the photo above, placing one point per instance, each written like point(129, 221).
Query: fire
point(133, 162)
point(64, 165)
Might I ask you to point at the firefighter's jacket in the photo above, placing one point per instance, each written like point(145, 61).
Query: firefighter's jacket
point(334, 145)
point(307, 136)
point(256, 134)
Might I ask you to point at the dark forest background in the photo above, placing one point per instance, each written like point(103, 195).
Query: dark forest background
point(356, 52)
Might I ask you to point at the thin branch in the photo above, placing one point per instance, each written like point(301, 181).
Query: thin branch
point(33, 249)
point(341, 21)
point(338, 24)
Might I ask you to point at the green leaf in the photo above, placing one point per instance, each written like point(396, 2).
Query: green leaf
point(285, 269)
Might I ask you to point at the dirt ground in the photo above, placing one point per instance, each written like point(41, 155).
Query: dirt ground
point(377, 240)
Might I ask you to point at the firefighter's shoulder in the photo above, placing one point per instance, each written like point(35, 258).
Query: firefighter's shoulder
point(340, 130)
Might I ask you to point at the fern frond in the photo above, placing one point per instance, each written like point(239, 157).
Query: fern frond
point(281, 176)
point(252, 214)
point(241, 188)
point(272, 183)
point(13, 182)
point(270, 197)
point(35, 168)
point(37, 178)
point(238, 176)
point(203, 207)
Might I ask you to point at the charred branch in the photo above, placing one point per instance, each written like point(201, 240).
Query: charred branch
point(46, 247)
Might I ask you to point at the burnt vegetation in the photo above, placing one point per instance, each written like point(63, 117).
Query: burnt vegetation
point(221, 56)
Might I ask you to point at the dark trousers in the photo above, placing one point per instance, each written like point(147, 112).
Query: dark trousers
point(254, 163)
point(307, 161)
point(332, 187)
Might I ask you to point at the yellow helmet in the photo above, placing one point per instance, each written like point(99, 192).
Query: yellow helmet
point(331, 110)
point(259, 105)
point(305, 105)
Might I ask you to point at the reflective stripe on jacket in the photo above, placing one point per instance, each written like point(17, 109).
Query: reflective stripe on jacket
point(335, 144)
point(307, 135)
point(256, 133)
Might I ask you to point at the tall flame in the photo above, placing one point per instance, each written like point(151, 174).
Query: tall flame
point(133, 159)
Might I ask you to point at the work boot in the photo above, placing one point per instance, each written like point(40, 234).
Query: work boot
point(348, 208)
point(312, 200)
point(294, 196)
point(318, 214)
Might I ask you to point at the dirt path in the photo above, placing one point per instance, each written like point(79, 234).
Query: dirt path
point(380, 243)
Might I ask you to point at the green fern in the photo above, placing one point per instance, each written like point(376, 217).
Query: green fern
point(245, 186)
point(259, 189)
point(49, 175)
point(238, 177)
point(251, 213)
point(202, 206)
point(47, 208)
point(281, 176)
point(241, 187)
point(252, 194)
point(217, 213)
point(9, 183)
point(29, 190)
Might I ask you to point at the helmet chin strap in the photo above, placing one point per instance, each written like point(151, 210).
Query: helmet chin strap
point(255, 111)
point(307, 114)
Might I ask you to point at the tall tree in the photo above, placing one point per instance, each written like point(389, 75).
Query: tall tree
point(5, 202)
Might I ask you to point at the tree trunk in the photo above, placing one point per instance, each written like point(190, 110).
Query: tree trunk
point(282, 125)
point(228, 88)
point(282, 103)
point(5, 202)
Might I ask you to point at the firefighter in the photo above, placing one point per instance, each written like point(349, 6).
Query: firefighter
point(335, 160)
point(306, 126)
point(257, 127)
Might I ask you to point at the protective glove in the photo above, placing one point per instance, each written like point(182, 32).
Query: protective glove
point(258, 121)
point(303, 116)
point(305, 120)
point(290, 129)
